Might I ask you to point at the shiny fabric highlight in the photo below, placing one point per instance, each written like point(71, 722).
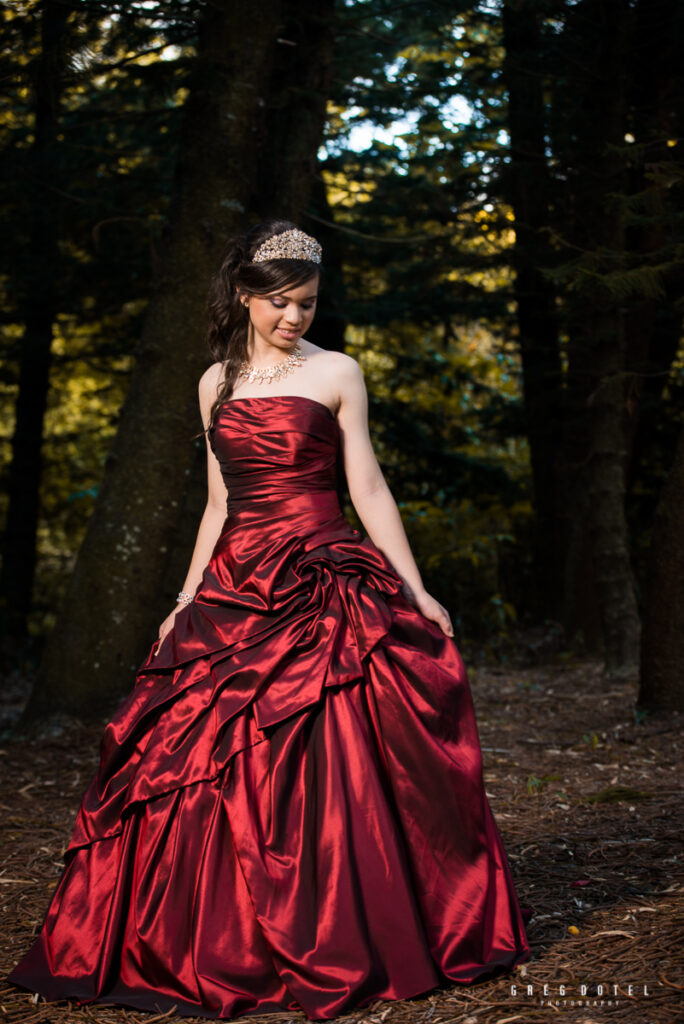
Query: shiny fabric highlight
point(289, 811)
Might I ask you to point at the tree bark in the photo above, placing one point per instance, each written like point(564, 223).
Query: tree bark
point(528, 190)
point(594, 434)
point(115, 600)
point(290, 181)
point(662, 652)
point(607, 459)
point(299, 85)
point(37, 311)
point(654, 327)
point(658, 105)
point(329, 326)
point(284, 177)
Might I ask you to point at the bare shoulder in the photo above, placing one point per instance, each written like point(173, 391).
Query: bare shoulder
point(210, 380)
point(344, 364)
point(348, 376)
point(208, 388)
point(333, 366)
point(327, 356)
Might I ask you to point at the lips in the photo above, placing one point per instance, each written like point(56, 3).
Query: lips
point(287, 334)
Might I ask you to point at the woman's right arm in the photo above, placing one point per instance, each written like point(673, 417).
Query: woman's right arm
point(216, 508)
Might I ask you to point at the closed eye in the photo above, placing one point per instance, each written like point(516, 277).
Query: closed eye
point(282, 305)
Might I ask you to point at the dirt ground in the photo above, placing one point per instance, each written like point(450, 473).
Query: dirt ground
point(587, 794)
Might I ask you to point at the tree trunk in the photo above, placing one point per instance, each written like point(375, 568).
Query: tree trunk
point(607, 461)
point(299, 86)
point(658, 104)
point(654, 326)
point(528, 189)
point(115, 599)
point(37, 312)
point(329, 326)
point(606, 492)
point(294, 119)
point(595, 435)
point(662, 652)
point(290, 180)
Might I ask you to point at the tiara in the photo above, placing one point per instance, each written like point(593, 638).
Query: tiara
point(289, 245)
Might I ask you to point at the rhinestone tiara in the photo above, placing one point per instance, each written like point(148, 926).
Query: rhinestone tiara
point(289, 245)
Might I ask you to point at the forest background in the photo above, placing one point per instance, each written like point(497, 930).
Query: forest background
point(497, 187)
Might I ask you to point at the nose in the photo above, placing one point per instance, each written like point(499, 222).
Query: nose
point(293, 315)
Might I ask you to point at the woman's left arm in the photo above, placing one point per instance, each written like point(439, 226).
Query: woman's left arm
point(371, 495)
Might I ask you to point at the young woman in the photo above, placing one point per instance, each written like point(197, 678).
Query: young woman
point(289, 811)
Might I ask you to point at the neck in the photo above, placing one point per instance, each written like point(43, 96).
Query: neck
point(261, 357)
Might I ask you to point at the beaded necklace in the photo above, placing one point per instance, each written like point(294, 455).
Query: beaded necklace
point(265, 375)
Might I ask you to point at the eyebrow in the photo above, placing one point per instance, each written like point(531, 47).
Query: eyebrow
point(279, 295)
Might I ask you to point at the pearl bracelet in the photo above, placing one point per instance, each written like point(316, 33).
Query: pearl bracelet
point(184, 598)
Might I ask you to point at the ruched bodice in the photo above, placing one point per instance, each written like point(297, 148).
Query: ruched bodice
point(278, 454)
point(289, 811)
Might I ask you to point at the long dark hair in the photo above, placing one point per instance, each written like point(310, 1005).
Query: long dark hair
point(228, 329)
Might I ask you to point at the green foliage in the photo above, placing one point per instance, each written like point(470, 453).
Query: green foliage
point(428, 297)
point(425, 234)
point(124, 85)
point(536, 784)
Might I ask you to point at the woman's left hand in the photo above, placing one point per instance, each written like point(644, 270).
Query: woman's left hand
point(430, 608)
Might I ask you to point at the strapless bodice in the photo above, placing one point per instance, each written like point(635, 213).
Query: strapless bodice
point(278, 456)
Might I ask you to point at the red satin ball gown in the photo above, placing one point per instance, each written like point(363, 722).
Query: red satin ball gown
point(289, 811)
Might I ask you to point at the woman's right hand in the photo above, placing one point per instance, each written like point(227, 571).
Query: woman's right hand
point(167, 626)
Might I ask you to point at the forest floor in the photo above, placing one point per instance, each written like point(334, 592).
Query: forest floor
point(587, 794)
